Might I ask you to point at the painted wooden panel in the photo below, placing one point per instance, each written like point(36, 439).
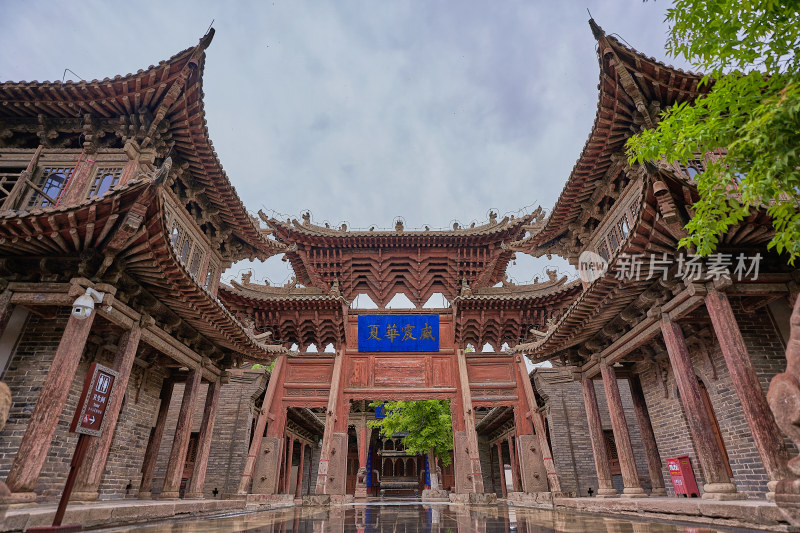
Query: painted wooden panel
point(399, 371)
point(309, 373)
point(484, 372)
point(442, 373)
point(358, 372)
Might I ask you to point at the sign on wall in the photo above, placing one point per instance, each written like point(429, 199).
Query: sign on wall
point(94, 400)
point(398, 333)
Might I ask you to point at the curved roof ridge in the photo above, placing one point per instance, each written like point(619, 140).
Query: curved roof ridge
point(599, 145)
point(310, 229)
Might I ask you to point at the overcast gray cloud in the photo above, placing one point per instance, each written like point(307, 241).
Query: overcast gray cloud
point(363, 111)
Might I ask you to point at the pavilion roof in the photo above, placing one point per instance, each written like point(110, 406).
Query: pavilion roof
point(171, 90)
point(633, 88)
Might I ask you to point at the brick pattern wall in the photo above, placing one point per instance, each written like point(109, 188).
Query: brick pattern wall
point(230, 441)
point(767, 353)
point(125, 458)
point(490, 484)
point(25, 376)
point(569, 430)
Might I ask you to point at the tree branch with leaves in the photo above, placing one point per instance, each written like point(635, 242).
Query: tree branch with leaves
point(750, 117)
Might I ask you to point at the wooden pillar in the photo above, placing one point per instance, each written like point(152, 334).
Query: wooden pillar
point(627, 461)
point(361, 438)
point(766, 434)
point(515, 481)
point(503, 487)
point(6, 308)
point(491, 469)
point(330, 422)
point(198, 481)
point(538, 426)
point(261, 424)
point(287, 472)
point(605, 488)
point(648, 438)
point(90, 473)
point(35, 444)
point(719, 485)
point(469, 424)
point(154, 444)
point(298, 490)
point(180, 444)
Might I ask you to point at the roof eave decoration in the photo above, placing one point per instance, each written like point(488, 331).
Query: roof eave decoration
point(633, 89)
point(293, 230)
point(171, 92)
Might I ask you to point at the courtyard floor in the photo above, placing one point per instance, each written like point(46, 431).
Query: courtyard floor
point(650, 515)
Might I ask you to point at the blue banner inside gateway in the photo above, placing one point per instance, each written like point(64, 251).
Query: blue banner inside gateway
point(398, 333)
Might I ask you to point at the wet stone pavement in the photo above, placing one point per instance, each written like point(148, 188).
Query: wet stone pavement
point(418, 517)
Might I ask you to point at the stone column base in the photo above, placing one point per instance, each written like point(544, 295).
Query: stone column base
point(634, 492)
point(721, 492)
point(17, 500)
point(607, 493)
point(83, 496)
point(172, 495)
point(145, 495)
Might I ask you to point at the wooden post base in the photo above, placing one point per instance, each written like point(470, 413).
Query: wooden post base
point(84, 496)
point(634, 492)
point(17, 500)
point(721, 492)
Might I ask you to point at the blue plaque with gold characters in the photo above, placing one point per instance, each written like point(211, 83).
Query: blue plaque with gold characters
point(398, 333)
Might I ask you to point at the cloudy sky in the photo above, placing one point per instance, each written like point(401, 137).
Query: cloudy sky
point(363, 111)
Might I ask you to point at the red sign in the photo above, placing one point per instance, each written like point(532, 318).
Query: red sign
point(682, 476)
point(97, 393)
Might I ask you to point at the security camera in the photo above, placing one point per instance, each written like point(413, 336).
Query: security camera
point(83, 306)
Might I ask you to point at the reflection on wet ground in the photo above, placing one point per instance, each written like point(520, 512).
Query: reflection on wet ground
point(418, 517)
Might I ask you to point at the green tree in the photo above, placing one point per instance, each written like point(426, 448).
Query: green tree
point(751, 117)
point(427, 422)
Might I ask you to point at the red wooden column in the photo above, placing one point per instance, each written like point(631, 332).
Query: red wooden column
point(627, 461)
point(361, 437)
point(89, 475)
point(153, 445)
point(180, 444)
point(330, 421)
point(198, 481)
point(261, 424)
point(35, 443)
point(538, 426)
point(287, 472)
point(605, 487)
point(718, 485)
point(648, 438)
point(298, 490)
point(503, 487)
point(469, 424)
point(766, 434)
point(514, 470)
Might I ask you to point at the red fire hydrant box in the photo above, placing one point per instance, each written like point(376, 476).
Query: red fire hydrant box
point(682, 475)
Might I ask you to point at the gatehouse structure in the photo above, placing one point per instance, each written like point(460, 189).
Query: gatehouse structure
point(111, 191)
